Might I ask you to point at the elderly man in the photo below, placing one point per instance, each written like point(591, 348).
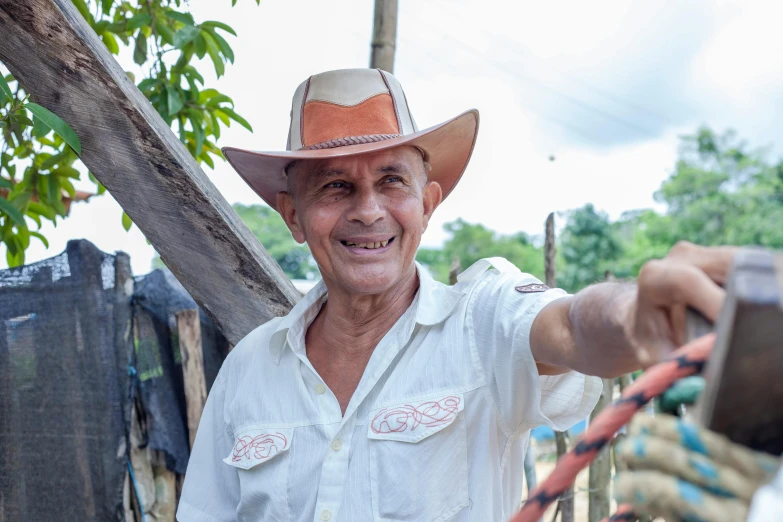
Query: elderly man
point(383, 394)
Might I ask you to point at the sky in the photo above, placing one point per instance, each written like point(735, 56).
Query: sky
point(580, 102)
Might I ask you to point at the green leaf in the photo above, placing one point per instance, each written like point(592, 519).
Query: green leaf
point(175, 100)
point(185, 35)
point(6, 184)
point(200, 46)
point(185, 18)
point(217, 100)
point(40, 129)
point(55, 194)
point(193, 73)
point(214, 54)
point(206, 159)
point(138, 21)
point(126, 221)
point(12, 212)
point(106, 6)
point(199, 140)
point(59, 127)
point(224, 47)
point(2, 123)
point(220, 25)
point(68, 187)
point(84, 10)
point(165, 32)
point(40, 236)
point(67, 172)
point(237, 118)
point(5, 88)
point(140, 49)
point(110, 42)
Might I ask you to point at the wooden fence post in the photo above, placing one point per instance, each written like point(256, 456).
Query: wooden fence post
point(63, 64)
point(566, 504)
point(189, 334)
point(600, 473)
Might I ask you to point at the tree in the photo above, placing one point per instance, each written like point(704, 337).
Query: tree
point(37, 166)
point(471, 242)
point(267, 225)
point(589, 246)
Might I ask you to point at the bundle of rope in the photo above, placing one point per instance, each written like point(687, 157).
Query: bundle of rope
point(660, 449)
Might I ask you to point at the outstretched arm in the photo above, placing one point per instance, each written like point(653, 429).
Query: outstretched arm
point(612, 328)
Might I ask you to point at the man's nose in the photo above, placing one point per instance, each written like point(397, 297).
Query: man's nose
point(367, 208)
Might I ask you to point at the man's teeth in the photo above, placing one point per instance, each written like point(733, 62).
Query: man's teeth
point(377, 244)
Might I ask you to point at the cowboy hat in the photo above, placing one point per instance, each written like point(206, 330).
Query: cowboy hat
point(356, 111)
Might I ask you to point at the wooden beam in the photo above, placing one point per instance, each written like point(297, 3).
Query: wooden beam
point(62, 63)
point(384, 35)
point(189, 334)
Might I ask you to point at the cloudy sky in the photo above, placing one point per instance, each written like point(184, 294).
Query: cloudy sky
point(604, 88)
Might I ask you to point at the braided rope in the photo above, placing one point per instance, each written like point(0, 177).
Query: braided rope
point(351, 140)
point(688, 360)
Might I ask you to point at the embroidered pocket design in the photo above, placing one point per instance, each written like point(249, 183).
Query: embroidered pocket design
point(415, 420)
point(253, 447)
point(531, 288)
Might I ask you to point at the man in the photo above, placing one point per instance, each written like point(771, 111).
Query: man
point(384, 395)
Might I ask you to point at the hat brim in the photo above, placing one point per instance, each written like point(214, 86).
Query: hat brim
point(447, 147)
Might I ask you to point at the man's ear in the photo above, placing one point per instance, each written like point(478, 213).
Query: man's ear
point(285, 205)
point(433, 195)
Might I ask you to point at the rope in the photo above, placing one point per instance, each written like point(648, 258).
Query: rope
point(350, 140)
point(686, 361)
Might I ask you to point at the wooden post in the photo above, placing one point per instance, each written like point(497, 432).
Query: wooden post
point(600, 473)
point(565, 504)
point(384, 35)
point(63, 64)
point(454, 270)
point(189, 333)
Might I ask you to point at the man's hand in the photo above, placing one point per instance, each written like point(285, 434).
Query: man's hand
point(689, 276)
point(609, 329)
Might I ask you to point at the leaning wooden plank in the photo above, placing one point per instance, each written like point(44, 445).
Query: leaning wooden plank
point(189, 335)
point(63, 64)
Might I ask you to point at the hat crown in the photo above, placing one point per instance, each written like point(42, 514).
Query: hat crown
point(348, 107)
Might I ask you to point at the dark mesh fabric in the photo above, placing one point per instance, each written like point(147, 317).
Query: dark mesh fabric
point(67, 341)
point(62, 385)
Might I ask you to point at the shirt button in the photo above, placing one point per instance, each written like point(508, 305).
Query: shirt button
point(325, 515)
point(337, 445)
point(320, 389)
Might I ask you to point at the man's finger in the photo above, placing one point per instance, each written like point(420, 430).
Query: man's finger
point(714, 261)
point(668, 283)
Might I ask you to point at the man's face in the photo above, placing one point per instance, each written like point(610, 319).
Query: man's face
point(362, 216)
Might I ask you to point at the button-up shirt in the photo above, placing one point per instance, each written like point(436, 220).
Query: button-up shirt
point(436, 429)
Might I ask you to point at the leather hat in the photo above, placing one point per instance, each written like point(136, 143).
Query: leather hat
point(356, 111)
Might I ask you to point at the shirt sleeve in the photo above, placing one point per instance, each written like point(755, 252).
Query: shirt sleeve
point(501, 317)
point(211, 489)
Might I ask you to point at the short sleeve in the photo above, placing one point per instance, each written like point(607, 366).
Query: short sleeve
point(211, 489)
point(503, 305)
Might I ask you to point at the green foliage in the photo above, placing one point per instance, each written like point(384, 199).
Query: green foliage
point(39, 155)
point(589, 248)
point(471, 242)
point(270, 229)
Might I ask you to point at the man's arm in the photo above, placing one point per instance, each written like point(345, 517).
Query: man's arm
point(612, 328)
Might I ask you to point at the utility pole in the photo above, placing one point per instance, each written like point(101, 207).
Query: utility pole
point(384, 35)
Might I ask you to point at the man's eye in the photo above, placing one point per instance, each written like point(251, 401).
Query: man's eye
point(335, 184)
point(393, 179)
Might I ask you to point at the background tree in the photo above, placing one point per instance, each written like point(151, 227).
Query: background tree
point(589, 247)
point(38, 166)
point(267, 225)
point(471, 242)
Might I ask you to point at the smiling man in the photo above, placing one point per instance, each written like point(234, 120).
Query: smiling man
point(383, 394)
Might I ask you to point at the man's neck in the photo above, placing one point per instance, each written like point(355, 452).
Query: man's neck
point(355, 324)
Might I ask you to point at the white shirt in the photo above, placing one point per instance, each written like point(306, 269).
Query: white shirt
point(437, 428)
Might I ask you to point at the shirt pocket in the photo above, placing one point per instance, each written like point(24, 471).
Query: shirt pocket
point(263, 463)
point(418, 460)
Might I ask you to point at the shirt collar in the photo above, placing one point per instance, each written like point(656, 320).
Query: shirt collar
point(434, 303)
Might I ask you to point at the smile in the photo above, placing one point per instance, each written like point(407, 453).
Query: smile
point(370, 245)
